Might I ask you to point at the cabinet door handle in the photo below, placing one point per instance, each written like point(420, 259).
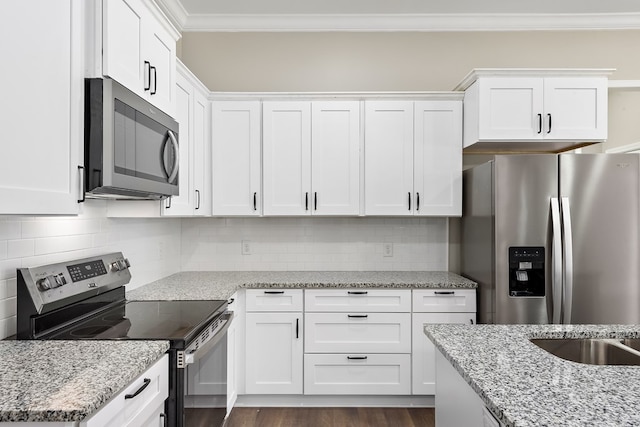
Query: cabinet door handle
point(417, 201)
point(231, 300)
point(306, 201)
point(82, 185)
point(168, 205)
point(471, 321)
point(357, 292)
point(357, 357)
point(549, 130)
point(155, 80)
point(409, 193)
point(273, 292)
point(255, 201)
point(147, 73)
point(147, 381)
point(198, 199)
point(163, 417)
point(297, 328)
point(315, 200)
point(444, 292)
point(357, 316)
point(539, 123)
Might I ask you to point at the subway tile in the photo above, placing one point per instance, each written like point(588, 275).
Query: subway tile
point(20, 248)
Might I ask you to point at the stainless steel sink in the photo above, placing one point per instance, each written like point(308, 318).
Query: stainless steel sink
point(598, 351)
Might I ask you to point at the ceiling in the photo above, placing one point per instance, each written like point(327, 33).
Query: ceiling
point(400, 15)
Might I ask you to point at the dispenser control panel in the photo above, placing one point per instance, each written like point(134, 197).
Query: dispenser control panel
point(526, 271)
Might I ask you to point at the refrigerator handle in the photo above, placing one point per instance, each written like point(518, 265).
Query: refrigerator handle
point(556, 261)
point(568, 259)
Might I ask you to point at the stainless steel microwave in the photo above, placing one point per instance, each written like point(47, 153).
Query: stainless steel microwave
point(130, 147)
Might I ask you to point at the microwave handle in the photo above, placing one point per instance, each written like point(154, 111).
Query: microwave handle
point(176, 161)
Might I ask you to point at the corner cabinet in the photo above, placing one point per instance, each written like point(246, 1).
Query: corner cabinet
point(413, 157)
point(42, 109)
point(139, 50)
point(534, 110)
point(192, 115)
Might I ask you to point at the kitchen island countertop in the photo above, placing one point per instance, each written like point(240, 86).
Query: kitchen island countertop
point(523, 385)
point(220, 285)
point(68, 380)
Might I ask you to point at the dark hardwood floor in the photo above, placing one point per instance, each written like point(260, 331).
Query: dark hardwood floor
point(330, 417)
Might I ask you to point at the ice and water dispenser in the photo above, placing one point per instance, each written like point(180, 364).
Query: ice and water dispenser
point(526, 271)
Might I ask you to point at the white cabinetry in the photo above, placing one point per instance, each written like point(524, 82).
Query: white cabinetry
point(436, 306)
point(236, 130)
point(413, 157)
point(139, 50)
point(274, 328)
point(311, 157)
point(192, 114)
point(139, 404)
point(558, 109)
point(42, 107)
point(352, 349)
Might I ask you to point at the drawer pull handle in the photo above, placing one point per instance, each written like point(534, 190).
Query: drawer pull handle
point(231, 301)
point(357, 316)
point(357, 357)
point(444, 292)
point(147, 381)
point(273, 292)
point(357, 292)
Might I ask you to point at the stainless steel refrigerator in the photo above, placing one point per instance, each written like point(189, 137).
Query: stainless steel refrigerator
point(554, 238)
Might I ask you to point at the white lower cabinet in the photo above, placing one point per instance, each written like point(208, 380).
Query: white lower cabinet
point(357, 373)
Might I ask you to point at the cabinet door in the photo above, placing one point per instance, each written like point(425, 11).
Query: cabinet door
point(274, 353)
point(388, 157)
point(286, 143)
point(42, 108)
point(438, 158)
point(122, 43)
point(184, 202)
point(423, 356)
point(510, 108)
point(575, 108)
point(236, 157)
point(335, 158)
point(159, 49)
point(201, 155)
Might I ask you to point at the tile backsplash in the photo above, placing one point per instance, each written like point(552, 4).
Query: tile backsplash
point(152, 246)
point(314, 243)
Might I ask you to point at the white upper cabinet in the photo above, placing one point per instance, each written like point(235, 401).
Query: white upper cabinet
point(192, 114)
point(139, 50)
point(551, 110)
point(335, 157)
point(236, 157)
point(388, 157)
point(286, 146)
point(413, 157)
point(42, 108)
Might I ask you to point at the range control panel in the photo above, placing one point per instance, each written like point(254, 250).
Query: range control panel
point(51, 285)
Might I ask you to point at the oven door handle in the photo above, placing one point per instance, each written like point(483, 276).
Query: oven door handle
point(192, 356)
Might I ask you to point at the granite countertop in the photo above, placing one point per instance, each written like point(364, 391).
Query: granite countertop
point(524, 385)
point(68, 380)
point(220, 285)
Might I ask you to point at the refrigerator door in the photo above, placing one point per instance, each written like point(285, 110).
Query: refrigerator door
point(603, 191)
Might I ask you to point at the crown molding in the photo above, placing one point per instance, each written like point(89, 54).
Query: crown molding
point(394, 22)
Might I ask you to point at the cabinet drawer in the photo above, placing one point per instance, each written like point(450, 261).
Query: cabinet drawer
point(369, 374)
point(362, 332)
point(351, 300)
point(274, 300)
point(444, 300)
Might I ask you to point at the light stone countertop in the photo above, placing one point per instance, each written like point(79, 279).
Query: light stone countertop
point(220, 285)
point(68, 380)
point(525, 386)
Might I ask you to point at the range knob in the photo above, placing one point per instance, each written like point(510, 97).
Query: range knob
point(43, 284)
point(114, 266)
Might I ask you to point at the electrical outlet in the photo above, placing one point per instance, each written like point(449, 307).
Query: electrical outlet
point(387, 249)
point(246, 247)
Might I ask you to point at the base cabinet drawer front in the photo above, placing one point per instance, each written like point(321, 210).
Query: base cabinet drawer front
point(372, 300)
point(274, 300)
point(359, 332)
point(424, 351)
point(369, 374)
point(444, 300)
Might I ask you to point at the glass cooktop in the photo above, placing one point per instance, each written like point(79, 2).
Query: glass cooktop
point(176, 321)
